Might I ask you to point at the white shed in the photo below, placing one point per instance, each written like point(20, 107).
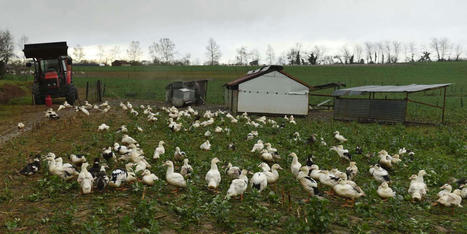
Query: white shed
point(267, 90)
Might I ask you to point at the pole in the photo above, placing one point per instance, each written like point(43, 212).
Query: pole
point(87, 89)
point(406, 105)
point(444, 105)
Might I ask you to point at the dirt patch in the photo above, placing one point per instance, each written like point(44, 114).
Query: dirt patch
point(8, 92)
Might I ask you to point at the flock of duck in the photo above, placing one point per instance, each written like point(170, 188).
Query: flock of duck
point(308, 175)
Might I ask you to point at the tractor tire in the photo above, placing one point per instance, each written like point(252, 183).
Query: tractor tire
point(38, 99)
point(71, 94)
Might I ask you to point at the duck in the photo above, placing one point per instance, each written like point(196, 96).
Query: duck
point(207, 133)
point(351, 170)
point(121, 149)
point(264, 166)
point(83, 109)
point(186, 169)
point(103, 127)
point(232, 146)
point(339, 137)
point(446, 188)
point(148, 177)
point(20, 125)
point(122, 129)
point(262, 119)
point(178, 154)
point(384, 191)
point(267, 156)
point(160, 150)
point(258, 146)
point(250, 136)
point(123, 106)
point(385, 160)
point(343, 153)
point(218, 129)
point(451, 199)
point(402, 151)
point(296, 165)
point(308, 184)
point(118, 177)
point(77, 159)
point(269, 148)
point(130, 174)
point(312, 139)
point(107, 154)
point(233, 171)
point(95, 168)
point(139, 129)
point(327, 178)
point(65, 170)
point(85, 179)
point(379, 173)
point(52, 115)
point(348, 189)
point(259, 181)
point(273, 175)
point(238, 186)
point(417, 188)
point(292, 120)
point(358, 150)
point(314, 172)
point(395, 159)
point(33, 167)
point(128, 140)
point(205, 146)
point(102, 180)
point(322, 142)
point(296, 136)
point(309, 161)
point(174, 178)
point(213, 177)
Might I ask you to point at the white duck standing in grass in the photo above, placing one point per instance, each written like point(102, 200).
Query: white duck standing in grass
point(417, 188)
point(103, 127)
point(233, 171)
point(130, 173)
point(463, 188)
point(102, 180)
point(269, 148)
point(267, 156)
point(385, 160)
point(258, 146)
point(238, 186)
point(445, 189)
point(20, 125)
point(213, 177)
point(85, 179)
point(348, 190)
point(148, 177)
point(328, 178)
point(379, 173)
point(259, 181)
point(77, 160)
point(118, 177)
point(186, 169)
point(351, 170)
point(296, 165)
point(65, 170)
point(343, 153)
point(178, 154)
point(174, 178)
point(273, 175)
point(384, 191)
point(314, 172)
point(205, 146)
point(339, 137)
point(308, 184)
point(160, 150)
point(451, 199)
point(128, 140)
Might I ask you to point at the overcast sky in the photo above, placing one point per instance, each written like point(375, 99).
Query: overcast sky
point(233, 23)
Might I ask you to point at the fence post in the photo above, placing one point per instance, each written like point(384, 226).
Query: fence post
point(99, 91)
point(87, 89)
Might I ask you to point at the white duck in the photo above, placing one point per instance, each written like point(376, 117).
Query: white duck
point(259, 181)
point(218, 129)
point(20, 125)
point(85, 179)
point(207, 133)
point(77, 160)
point(379, 173)
point(314, 172)
point(128, 140)
point(308, 183)
point(205, 146)
point(451, 199)
point(328, 178)
point(269, 148)
point(463, 188)
point(418, 188)
point(149, 178)
point(446, 188)
point(384, 191)
point(266, 156)
point(213, 176)
point(178, 154)
point(65, 170)
point(343, 153)
point(351, 170)
point(296, 165)
point(186, 169)
point(258, 146)
point(172, 177)
point(339, 137)
point(160, 150)
point(130, 174)
point(119, 176)
point(385, 160)
point(273, 174)
point(348, 190)
point(233, 171)
point(238, 186)
point(103, 127)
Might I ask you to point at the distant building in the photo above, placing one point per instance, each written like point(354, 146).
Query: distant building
point(118, 63)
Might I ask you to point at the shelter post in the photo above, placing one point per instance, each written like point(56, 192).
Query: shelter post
point(444, 105)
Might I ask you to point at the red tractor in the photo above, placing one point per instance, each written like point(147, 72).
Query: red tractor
point(52, 72)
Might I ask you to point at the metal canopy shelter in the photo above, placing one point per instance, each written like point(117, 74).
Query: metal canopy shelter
point(393, 110)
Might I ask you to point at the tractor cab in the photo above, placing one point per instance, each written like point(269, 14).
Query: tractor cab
point(52, 71)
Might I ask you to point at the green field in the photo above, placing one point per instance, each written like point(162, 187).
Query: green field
point(45, 203)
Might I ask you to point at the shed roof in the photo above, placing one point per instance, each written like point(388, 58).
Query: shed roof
point(261, 71)
point(387, 89)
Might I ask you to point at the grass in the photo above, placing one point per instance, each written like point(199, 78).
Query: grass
point(48, 204)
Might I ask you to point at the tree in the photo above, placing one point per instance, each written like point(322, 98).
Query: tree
point(242, 56)
point(358, 51)
point(21, 42)
point(114, 53)
point(7, 46)
point(346, 54)
point(254, 56)
point(458, 51)
point(164, 50)
point(270, 57)
point(293, 56)
point(370, 49)
point(396, 49)
point(317, 52)
point(412, 50)
point(435, 46)
point(78, 53)
point(213, 52)
point(380, 47)
point(444, 48)
point(134, 51)
point(101, 54)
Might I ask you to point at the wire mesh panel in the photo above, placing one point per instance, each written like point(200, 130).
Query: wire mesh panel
point(370, 110)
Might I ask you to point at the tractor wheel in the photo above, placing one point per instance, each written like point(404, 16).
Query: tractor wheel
point(38, 99)
point(71, 94)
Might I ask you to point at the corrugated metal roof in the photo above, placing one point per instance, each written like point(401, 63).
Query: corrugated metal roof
point(261, 71)
point(387, 89)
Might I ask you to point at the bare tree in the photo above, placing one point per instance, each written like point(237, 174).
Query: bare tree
point(254, 56)
point(270, 57)
point(387, 49)
point(444, 48)
point(458, 51)
point(346, 54)
point(114, 53)
point(163, 50)
point(318, 52)
point(213, 52)
point(101, 54)
point(369, 47)
point(78, 53)
point(412, 51)
point(380, 47)
point(435, 46)
point(358, 51)
point(21, 42)
point(7, 46)
point(396, 49)
point(242, 55)
point(134, 51)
